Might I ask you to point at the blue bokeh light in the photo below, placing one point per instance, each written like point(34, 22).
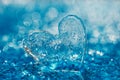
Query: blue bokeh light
point(19, 18)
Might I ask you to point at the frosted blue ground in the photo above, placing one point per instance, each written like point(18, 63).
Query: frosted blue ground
point(87, 44)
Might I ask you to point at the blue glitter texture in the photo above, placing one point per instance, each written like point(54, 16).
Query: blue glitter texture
point(59, 40)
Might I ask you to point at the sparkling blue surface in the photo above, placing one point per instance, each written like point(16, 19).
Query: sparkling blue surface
point(59, 40)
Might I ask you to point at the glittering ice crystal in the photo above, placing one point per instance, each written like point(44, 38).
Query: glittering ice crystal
point(58, 53)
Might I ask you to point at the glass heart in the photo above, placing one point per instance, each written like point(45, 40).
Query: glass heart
point(63, 52)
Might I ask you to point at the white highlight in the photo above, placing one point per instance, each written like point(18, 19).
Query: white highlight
point(74, 57)
point(99, 53)
point(5, 38)
point(91, 52)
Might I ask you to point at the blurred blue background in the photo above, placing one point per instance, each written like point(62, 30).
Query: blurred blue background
point(101, 20)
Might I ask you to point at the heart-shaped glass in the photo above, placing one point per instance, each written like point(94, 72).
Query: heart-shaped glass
point(62, 52)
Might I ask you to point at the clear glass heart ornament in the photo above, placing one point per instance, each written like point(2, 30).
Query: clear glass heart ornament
point(63, 52)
